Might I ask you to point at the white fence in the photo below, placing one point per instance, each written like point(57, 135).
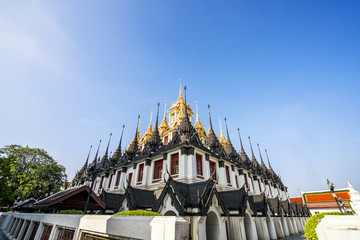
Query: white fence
point(27, 226)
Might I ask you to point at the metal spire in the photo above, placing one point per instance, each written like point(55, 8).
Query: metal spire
point(105, 157)
point(155, 137)
point(262, 162)
point(210, 119)
point(87, 159)
point(197, 112)
point(241, 145)
point(96, 155)
point(270, 168)
point(227, 131)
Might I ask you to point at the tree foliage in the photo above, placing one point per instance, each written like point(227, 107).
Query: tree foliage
point(28, 172)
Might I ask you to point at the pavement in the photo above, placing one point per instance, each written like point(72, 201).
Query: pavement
point(299, 236)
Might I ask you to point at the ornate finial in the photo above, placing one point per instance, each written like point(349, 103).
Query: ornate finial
point(209, 117)
point(253, 159)
point(105, 157)
point(197, 111)
point(227, 131)
point(262, 162)
point(241, 145)
point(165, 110)
point(96, 155)
point(155, 137)
point(87, 159)
point(180, 85)
point(117, 153)
point(151, 118)
point(164, 126)
point(222, 138)
point(157, 115)
point(267, 156)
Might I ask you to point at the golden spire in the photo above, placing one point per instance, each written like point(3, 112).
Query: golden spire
point(148, 132)
point(198, 126)
point(138, 131)
point(164, 126)
point(222, 138)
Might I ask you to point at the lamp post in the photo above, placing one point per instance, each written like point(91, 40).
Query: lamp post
point(332, 187)
point(94, 168)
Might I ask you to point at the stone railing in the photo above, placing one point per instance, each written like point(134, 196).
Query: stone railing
point(28, 226)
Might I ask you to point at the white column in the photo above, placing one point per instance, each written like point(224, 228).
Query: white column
point(261, 228)
point(278, 227)
point(290, 226)
point(285, 226)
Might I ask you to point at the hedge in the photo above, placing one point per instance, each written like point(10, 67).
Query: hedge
point(70, 212)
point(312, 222)
point(137, 213)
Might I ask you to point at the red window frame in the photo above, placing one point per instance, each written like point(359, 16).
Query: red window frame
point(158, 165)
point(246, 181)
point(227, 169)
point(109, 184)
point(236, 180)
point(117, 182)
point(166, 140)
point(140, 173)
point(174, 164)
point(199, 164)
point(213, 169)
point(130, 178)
point(101, 183)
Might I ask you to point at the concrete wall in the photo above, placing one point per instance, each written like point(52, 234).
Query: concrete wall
point(125, 227)
point(334, 227)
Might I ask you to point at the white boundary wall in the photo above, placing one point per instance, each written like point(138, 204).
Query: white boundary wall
point(123, 227)
point(335, 227)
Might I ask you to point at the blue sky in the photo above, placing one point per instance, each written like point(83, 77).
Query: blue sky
point(285, 72)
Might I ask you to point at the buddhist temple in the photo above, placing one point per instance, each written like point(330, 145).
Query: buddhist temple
point(178, 168)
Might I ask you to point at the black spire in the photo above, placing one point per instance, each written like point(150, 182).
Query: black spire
point(154, 140)
point(133, 147)
point(117, 153)
point(87, 159)
point(105, 158)
point(229, 149)
point(270, 168)
point(185, 126)
point(212, 141)
point(96, 155)
point(263, 167)
point(253, 159)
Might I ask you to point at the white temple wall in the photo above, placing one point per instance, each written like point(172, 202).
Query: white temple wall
point(166, 206)
point(250, 227)
point(278, 227)
point(285, 226)
point(261, 228)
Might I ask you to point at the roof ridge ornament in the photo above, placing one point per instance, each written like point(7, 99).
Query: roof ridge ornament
point(185, 126)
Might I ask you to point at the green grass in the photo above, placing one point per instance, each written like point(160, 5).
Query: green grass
point(137, 213)
point(312, 223)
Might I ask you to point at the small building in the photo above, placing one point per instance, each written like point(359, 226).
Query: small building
point(323, 200)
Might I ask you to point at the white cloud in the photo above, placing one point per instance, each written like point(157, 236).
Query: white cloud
point(31, 37)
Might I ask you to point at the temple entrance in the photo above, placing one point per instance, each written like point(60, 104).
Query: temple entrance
point(170, 213)
point(212, 227)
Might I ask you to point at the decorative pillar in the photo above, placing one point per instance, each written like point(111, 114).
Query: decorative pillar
point(285, 226)
point(261, 228)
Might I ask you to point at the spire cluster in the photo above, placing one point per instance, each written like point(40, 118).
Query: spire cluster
point(178, 130)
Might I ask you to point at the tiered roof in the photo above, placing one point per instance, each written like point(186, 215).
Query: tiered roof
point(182, 131)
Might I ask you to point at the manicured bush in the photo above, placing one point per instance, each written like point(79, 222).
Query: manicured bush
point(137, 213)
point(312, 222)
point(70, 212)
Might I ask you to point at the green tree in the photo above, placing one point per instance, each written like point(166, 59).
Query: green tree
point(28, 172)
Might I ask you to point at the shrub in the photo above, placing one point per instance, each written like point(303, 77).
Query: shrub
point(137, 213)
point(312, 222)
point(70, 212)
